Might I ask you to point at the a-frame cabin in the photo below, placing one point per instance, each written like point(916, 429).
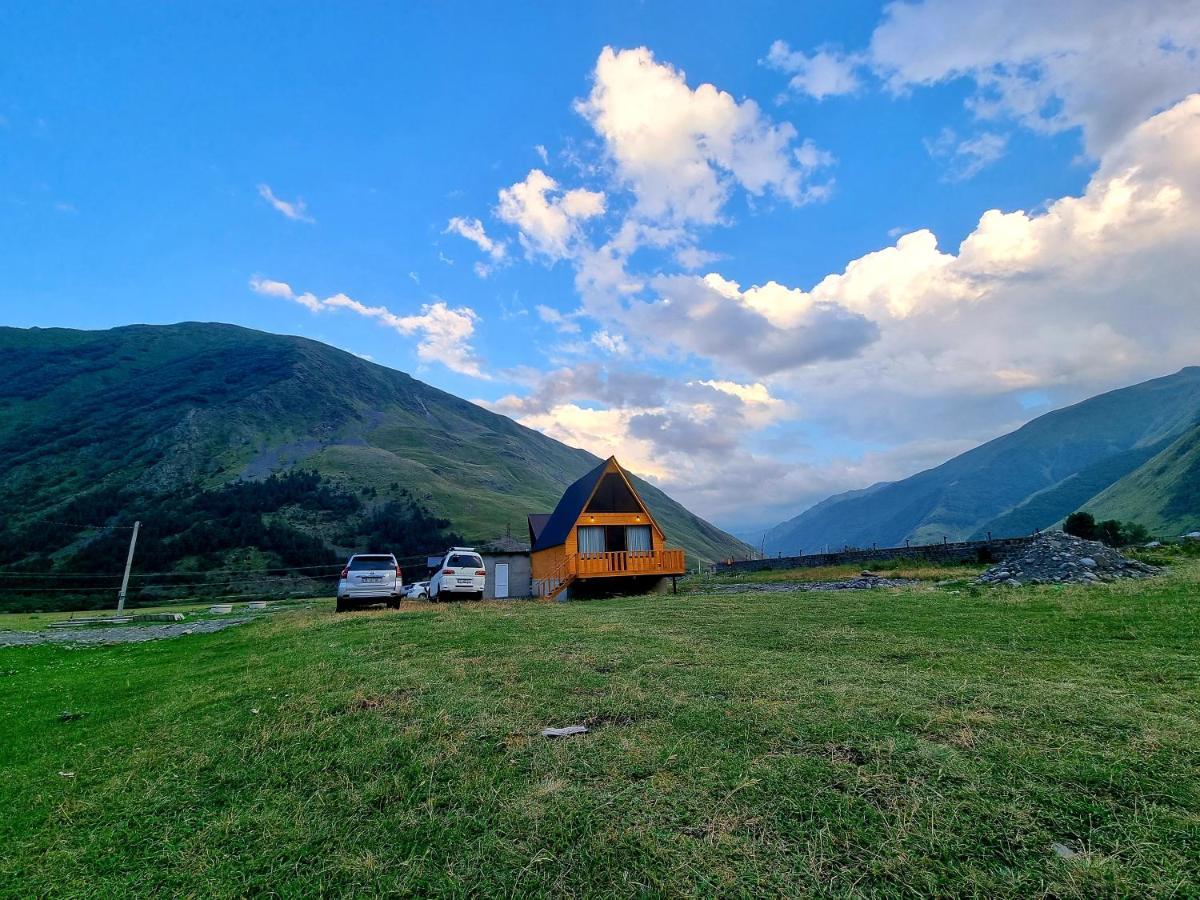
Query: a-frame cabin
point(601, 529)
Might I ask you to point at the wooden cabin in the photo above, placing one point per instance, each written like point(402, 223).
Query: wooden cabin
point(600, 529)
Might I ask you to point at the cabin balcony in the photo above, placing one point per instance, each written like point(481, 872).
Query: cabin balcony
point(667, 561)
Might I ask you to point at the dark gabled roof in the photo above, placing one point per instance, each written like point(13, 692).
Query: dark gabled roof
point(569, 508)
point(537, 521)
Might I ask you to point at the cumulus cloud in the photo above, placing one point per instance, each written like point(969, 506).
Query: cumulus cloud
point(548, 218)
point(664, 429)
point(827, 72)
point(295, 210)
point(1091, 292)
point(444, 333)
point(923, 349)
point(680, 150)
point(1099, 65)
point(761, 330)
point(473, 231)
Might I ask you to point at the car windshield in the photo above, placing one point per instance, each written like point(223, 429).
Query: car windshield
point(359, 563)
point(464, 561)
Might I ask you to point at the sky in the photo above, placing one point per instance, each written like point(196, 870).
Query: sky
point(763, 253)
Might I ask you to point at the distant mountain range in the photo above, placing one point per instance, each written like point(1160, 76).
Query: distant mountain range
point(1132, 454)
point(93, 421)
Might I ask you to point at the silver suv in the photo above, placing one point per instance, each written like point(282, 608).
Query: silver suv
point(369, 578)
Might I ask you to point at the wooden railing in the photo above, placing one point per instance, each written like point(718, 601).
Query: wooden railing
point(668, 561)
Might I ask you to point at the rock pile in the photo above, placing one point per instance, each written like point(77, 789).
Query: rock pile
point(1058, 558)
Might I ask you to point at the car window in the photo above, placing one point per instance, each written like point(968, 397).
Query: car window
point(359, 563)
point(464, 561)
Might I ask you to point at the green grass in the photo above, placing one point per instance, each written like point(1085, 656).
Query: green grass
point(915, 741)
point(920, 570)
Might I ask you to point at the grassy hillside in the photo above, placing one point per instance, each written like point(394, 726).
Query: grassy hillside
point(1163, 494)
point(1024, 480)
point(927, 741)
point(159, 408)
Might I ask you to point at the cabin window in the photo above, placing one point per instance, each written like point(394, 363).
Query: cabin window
point(591, 539)
point(613, 496)
point(637, 538)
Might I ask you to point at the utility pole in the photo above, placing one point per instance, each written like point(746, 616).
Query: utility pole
point(128, 563)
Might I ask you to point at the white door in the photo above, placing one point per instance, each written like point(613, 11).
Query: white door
point(501, 580)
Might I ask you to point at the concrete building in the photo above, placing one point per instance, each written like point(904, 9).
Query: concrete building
point(509, 574)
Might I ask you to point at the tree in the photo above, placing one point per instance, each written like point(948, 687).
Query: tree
point(1081, 524)
point(1109, 532)
point(1135, 533)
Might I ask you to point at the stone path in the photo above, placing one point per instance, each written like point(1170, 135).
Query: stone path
point(115, 634)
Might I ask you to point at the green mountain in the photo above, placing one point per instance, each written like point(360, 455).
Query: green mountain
point(94, 423)
point(1028, 479)
point(1163, 493)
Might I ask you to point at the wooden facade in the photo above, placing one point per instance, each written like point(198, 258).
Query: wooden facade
point(601, 528)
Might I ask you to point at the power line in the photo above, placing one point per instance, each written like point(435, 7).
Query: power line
point(185, 573)
point(15, 574)
point(83, 525)
point(140, 590)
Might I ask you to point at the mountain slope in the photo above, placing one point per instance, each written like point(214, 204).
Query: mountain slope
point(1163, 494)
point(154, 408)
point(1050, 465)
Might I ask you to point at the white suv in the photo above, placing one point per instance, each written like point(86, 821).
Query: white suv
point(369, 578)
point(461, 576)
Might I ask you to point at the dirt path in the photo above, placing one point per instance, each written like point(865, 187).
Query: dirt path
point(115, 634)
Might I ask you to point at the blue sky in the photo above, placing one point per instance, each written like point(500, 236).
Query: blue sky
point(249, 163)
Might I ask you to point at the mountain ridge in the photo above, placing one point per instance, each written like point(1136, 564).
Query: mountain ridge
point(1014, 483)
point(160, 406)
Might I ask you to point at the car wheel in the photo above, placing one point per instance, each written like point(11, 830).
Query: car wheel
point(394, 603)
point(342, 605)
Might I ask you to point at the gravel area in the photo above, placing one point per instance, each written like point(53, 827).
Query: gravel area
point(1057, 558)
point(116, 634)
point(786, 587)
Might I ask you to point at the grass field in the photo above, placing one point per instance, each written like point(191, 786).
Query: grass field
point(920, 570)
point(928, 740)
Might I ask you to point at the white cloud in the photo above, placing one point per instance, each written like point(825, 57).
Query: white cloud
point(612, 344)
point(763, 330)
point(284, 290)
point(1099, 65)
point(926, 351)
point(562, 322)
point(968, 157)
point(681, 150)
point(296, 210)
point(540, 150)
point(671, 431)
point(548, 218)
point(825, 73)
point(444, 333)
point(473, 231)
point(1092, 292)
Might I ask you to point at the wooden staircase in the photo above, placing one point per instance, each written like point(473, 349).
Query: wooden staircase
point(557, 581)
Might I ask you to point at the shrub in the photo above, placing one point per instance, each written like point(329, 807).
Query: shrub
point(1082, 525)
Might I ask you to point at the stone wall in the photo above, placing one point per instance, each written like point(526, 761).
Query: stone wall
point(958, 551)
